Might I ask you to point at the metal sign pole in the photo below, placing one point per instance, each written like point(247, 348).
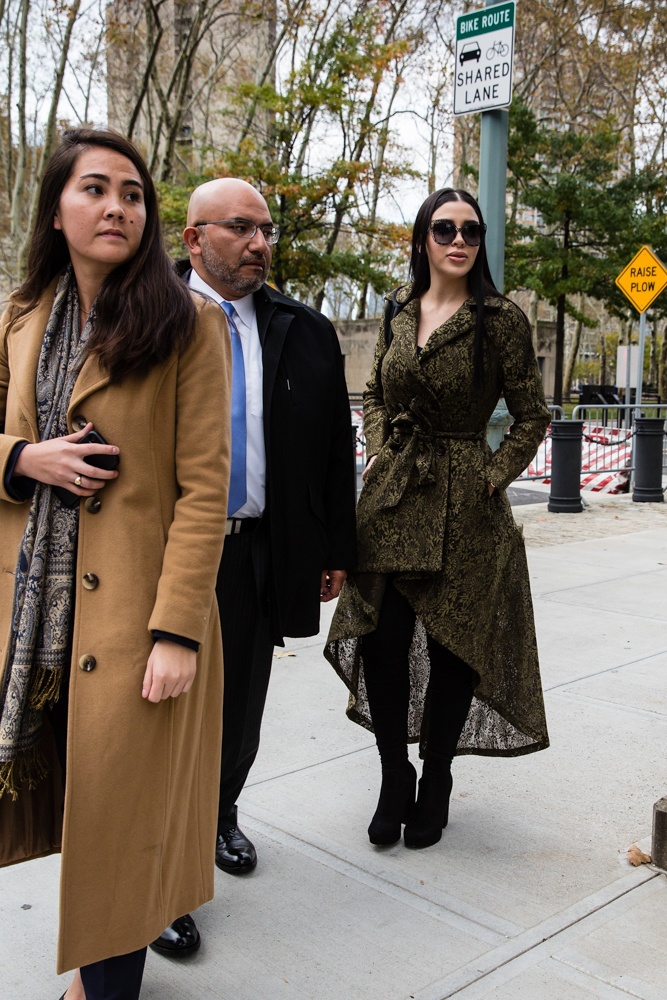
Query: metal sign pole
point(493, 183)
point(493, 187)
point(640, 363)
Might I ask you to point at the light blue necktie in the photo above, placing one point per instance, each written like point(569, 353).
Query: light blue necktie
point(238, 491)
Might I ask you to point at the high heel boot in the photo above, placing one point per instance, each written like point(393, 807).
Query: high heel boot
point(431, 812)
point(395, 805)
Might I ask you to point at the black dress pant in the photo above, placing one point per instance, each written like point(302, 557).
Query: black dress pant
point(247, 643)
point(117, 978)
point(386, 671)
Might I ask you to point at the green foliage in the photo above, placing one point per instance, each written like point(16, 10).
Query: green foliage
point(303, 207)
point(595, 213)
point(173, 212)
point(318, 195)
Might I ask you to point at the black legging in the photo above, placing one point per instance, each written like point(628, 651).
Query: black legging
point(386, 670)
point(117, 978)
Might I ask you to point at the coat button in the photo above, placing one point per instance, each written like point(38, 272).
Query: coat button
point(93, 505)
point(79, 422)
point(90, 581)
point(87, 662)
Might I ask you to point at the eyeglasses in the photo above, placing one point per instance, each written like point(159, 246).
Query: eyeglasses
point(246, 230)
point(444, 232)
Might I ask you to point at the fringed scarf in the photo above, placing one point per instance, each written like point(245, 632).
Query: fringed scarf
point(43, 608)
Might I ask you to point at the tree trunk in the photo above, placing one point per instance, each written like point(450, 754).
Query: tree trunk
point(377, 187)
point(574, 351)
point(365, 131)
point(603, 353)
point(9, 146)
point(50, 131)
point(153, 41)
point(560, 346)
point(18, 193)
point(560, 321)
point(533, 310)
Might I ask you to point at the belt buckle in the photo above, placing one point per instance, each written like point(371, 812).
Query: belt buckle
point(233, 526)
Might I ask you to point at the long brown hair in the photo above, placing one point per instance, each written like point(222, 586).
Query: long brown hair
point(143, 310)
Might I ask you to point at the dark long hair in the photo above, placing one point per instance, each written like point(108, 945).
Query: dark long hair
point(479, 277)
point(143, 310)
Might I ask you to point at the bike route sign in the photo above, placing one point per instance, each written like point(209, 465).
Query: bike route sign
point(484, 59)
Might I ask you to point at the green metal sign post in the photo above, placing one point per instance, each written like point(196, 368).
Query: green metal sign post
point(484, 57)
point(493, 188)
point(483, 83)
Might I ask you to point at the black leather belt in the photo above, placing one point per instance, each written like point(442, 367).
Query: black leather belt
point(241, 525)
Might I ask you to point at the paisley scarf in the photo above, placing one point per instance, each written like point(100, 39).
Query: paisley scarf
point(43, 607)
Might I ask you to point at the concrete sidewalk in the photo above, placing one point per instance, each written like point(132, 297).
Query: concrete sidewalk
point(528, 895)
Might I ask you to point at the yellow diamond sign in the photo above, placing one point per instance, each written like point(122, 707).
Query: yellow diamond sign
point(643, 279)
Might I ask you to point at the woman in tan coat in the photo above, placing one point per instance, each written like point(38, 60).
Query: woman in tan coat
point(434, 632)
point(111, 658)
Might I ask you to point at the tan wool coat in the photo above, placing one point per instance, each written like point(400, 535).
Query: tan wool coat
point(139, 825)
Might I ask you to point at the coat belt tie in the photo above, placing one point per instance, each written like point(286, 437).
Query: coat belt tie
point(417, 444)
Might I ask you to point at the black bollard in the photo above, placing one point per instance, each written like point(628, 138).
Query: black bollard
point(659, 840)
point(565, 495)
point(649, 438)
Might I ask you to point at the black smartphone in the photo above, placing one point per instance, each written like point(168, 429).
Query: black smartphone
point(109, 462)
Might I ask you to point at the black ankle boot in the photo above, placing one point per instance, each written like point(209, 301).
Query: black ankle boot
point(431, 811)
point(395, 805)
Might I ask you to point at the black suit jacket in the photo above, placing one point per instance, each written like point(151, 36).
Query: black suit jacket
point(310, 474)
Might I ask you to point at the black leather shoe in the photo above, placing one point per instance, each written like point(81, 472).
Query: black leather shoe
point(234, 853)
point(179, 940)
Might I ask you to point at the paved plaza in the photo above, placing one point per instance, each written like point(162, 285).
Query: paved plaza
point(527, 897)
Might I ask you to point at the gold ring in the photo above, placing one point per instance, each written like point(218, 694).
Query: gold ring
point(77, 481)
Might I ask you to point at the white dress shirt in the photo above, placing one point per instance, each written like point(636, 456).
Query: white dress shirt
point(246, 324)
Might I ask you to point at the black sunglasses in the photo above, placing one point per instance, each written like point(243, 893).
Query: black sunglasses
point(444, 232)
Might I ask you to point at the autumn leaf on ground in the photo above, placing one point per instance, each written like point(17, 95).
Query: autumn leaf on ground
point(284, 652)
point(637, 857)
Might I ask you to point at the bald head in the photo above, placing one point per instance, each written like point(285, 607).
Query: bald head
point(225, 198)
point(225, 258)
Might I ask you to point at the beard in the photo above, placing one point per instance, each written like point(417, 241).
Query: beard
point(231, 274)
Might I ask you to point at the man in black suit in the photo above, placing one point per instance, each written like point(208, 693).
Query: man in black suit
point(291, 524)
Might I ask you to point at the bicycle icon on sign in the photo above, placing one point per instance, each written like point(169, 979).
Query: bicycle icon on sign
point(498, 49)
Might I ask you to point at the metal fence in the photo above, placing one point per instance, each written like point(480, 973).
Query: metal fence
point(607, 451)
point(540, 467)
point(610, 435)
point(359, 439)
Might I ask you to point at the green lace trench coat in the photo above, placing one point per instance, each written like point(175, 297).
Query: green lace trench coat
point(425, 514)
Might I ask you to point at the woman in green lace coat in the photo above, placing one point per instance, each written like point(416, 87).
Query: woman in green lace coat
point(434, 633)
